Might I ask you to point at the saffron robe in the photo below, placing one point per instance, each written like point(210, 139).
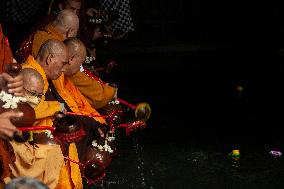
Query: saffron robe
point(97, 93)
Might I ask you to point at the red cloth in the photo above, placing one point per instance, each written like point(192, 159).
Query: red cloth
point(6, 150)
point(5, 51)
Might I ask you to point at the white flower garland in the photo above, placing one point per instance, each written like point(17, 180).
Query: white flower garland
point(11, 101)
point(89, 59)
point(114, 101)
point(48, 133)
point(104, 147)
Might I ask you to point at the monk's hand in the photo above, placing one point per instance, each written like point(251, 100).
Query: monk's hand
point(6, 127)
point(14, 84)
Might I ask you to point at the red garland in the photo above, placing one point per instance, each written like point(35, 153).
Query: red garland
point(70, 137)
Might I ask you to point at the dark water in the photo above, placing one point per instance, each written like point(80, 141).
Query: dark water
point(199, 117)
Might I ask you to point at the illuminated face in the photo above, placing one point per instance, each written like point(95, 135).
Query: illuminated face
point(75, 61)
point(56, 65)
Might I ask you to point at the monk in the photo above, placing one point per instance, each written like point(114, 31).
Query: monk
point(35, 159)
point(65, 25)
point(95, 91)
point(49, 62)
point(15, 86)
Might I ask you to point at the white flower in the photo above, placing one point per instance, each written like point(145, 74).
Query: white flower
point(105, 147)
point(94, 143)
point(100, 147)
point(89, 59)
point(48, 134)
point(11, 101)
point(110, 139)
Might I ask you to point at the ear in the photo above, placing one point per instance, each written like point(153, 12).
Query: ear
point(68, 33)
point(49, 59)
point(61, 7)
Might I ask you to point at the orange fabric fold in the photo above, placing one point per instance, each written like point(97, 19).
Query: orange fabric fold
point(73, 97)
point(97, 94)
point(42, 35)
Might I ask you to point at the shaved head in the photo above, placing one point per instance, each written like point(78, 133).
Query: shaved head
point(67, 23)
point(52, 56)
point(51, 46)
point(77, 55)
point(33, 86)
point(74, 46)
point(32, 77)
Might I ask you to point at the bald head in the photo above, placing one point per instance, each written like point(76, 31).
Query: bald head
point(52, 56)
point(75, 46)
point(33, 86)
point(51, 46)
point(67, 23)
point(32, 77)
point(77, 55)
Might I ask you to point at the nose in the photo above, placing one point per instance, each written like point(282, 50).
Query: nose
point(63, 69)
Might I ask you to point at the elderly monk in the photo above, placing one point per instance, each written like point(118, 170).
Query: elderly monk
point(37, 160)
point(65, 25)
point(96, 92)
point(51, 58)
point(15, 86)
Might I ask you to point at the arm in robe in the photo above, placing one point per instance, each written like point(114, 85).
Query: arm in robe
point(97, 94)
point(46, 108)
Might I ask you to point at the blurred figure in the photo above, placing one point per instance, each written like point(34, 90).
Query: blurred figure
point(14, 85)
point(58, 5)
point(25, 183)
point(6, 127)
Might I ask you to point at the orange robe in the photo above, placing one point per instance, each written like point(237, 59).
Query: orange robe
point(74, 99)
point(42, 35)
point(97, 93)
point(41, 161)
point(70, 176)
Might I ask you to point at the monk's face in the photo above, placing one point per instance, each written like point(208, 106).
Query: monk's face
point(73, 5)
point(33, 91)
point(72, 32)
point(55, 64)
point(75, 61)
